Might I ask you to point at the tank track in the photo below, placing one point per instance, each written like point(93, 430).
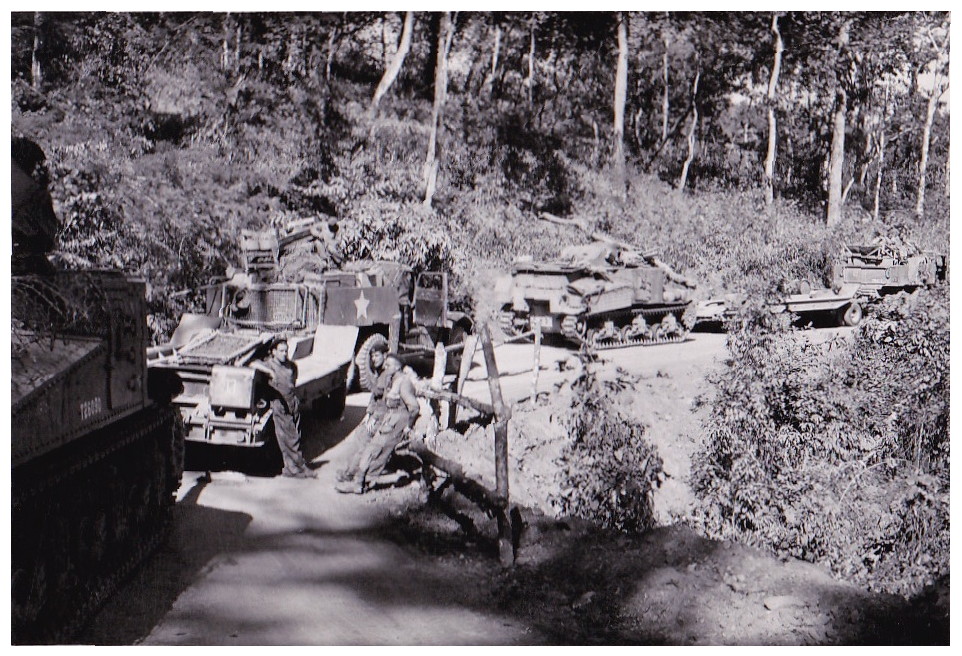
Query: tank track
point(85, 516)
point(581, 330)
point(506, 323)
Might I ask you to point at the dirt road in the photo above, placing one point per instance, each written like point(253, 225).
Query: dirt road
point(257, 560)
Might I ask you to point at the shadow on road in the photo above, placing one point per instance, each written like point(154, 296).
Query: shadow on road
point(197, 535)
point(416, 579)
point(318, 436)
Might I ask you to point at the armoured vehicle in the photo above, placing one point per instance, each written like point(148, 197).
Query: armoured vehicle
point(606, 294)
point(384, 300)
point(96, 452)
point(331, 318)
point(887, 266)
point(860, 274)
point(840, 306)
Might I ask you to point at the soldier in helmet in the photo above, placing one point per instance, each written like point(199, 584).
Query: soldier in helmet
point(402, 413)
point(360, 437)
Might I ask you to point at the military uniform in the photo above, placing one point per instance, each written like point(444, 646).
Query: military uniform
point(402, 411)
point(287, 418)
point(360, 437)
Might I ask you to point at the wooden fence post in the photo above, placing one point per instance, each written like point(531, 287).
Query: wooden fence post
point(437, 381)
point(501, 416)
point(467, 358)
point(537, 363)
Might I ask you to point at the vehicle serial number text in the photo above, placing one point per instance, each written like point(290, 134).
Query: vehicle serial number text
point(91, 408)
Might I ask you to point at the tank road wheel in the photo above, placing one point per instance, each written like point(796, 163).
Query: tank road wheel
point(508, 322)
point(365, 374)
point(850, 315)
point(670, 326)
point(574, 327)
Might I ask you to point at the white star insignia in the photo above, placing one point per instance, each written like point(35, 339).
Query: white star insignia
point(361, 304)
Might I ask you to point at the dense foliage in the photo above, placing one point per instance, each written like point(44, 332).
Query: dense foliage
point(609, 470)
point(166, 133)
point(836, 452)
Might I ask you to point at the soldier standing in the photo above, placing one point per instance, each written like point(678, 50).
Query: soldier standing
point(286, 409)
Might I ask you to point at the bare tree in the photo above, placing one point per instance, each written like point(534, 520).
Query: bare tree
point(664, 98)
point(445, 34)
point(529, 81)
point(391, 73)
point(836, 157)
point(683, 179)
point(880, 156)
point(621, 92)
point(36, 72)
point(495, 53)
point(939, 85)
point(772, 127)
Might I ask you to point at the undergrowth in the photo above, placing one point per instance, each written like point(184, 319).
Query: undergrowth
point(835, 452)
point(609, 470)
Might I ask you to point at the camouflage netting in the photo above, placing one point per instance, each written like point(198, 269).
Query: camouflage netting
point(46, 307)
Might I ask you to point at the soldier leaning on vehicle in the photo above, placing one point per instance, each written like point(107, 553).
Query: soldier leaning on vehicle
point(285, 409)
point(360, 437)
point(402, 412)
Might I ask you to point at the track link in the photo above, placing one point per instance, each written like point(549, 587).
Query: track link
point(85, 517)
point(581, 330)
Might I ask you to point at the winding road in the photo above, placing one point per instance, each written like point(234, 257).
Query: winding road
point(258, 560)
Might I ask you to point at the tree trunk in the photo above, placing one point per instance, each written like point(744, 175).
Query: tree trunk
point(836, 158)
point(683, 179)
point(391, 73)
point(237, 47)
point(529, 81)
point(495, 53)
point(880, 152)
point(664, 98)
point(924, 159)
point(429, 71)
point(445, 34)
point(637, 126)
point(225, 55)
point(621, 93)
point(772, 127)
point(833, 212)
point(331, 42)
point(945, 188)
point(36, 72)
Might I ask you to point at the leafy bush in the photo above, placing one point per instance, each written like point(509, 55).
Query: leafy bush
point(835, 452)
point(609, 470)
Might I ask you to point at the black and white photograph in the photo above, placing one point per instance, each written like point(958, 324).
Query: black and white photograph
point(436, 327)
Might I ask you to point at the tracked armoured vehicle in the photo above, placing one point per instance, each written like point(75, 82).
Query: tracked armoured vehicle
point(861, 274)
point(887, 266)
point(96, 454)
point(606, 294)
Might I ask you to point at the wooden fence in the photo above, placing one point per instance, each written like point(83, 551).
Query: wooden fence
point(495, 502)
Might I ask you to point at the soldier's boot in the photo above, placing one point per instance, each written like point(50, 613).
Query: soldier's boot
point(350, 486)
